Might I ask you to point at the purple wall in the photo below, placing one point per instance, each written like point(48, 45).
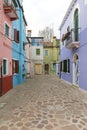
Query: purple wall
point(82, 50)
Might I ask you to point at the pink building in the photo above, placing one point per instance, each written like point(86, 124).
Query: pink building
point(7, 15)
point(27, 48)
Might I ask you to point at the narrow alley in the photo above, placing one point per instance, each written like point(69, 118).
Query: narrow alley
point(44, 103)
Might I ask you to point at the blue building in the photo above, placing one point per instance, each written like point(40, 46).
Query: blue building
point(73, 35)
point(18, 46)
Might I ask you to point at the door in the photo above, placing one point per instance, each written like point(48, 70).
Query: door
point(76, 70)
point(38, 69)
point(46, 68)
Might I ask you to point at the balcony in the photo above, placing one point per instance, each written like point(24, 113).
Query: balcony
point(10, 9)
point(71, 39)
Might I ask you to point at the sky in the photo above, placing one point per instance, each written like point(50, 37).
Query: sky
point(42, 13)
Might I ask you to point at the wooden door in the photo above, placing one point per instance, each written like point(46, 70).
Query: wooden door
point(38, 69)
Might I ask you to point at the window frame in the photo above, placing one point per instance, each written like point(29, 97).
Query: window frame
point(46, 52)
point(7, 32)
point(15, 66)
point(5, 66)
point(54, 68)
point(16, 35)
point(65, 66)
point(37, 53)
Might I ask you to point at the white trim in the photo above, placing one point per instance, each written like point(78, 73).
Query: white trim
point(6, 67)
point(5, 23)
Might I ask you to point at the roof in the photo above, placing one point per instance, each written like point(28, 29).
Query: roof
point(36, 37)
point(67, 13)
point(48, 44)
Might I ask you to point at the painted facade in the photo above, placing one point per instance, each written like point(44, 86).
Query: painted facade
point(27, 49)
point(7, 15)
point(36, 55)
point(18, 47)
point(51, 56)
point(73, 35)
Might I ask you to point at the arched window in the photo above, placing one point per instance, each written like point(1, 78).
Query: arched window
point(76, 25)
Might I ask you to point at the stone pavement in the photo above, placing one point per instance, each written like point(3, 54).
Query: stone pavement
point(44, 103)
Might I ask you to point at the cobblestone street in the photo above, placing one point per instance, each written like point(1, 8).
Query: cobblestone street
point(44, 103)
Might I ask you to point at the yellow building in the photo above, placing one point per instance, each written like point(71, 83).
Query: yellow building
point(51, 56)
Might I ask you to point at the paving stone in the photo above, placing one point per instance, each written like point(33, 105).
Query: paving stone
point(81, 122)
point(49, 127)
point(60, 116)
point(84, 119)
point(35, 122)
point(49, 105)
point(27, 124)
point(19, 124)
point(14, 128)
point(63, 122)
point(74, 120)
point(71, 127)
point(4, 128)
point(40, 126)
point(44, 121)
point(84, 128)
point(24, 128)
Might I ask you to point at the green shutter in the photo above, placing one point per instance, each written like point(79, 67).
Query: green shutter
point(76, 25)
point(4, 67)
point(37, 51)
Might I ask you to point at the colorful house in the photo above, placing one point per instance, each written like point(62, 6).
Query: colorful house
point(27, 49)
point(51, 56)
point(7, 15)
point(36, 55)
point(73, 35)
point(18, 47)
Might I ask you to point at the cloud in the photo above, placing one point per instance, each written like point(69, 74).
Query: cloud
point(41, 13)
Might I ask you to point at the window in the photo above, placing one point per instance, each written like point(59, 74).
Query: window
point(37, 51)
point(7, 1)
point(65, 66)
point(23, 46)
point(46, 52)
point(15, 66)
point(68, 32)
point(16, 35)
point(76, 24)
point(5, 67)
point(54, 66)
point(7, 29)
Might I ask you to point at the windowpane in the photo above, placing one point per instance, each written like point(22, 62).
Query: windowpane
point(15, 66)
point(65, 66)
point(4, 67)
point(54, 65)
point(16, 35)
point(37, 51)
point(46, 52)
point(6, 30)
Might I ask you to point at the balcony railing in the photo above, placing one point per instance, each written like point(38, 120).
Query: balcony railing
point(71, 39)
point(10, 9)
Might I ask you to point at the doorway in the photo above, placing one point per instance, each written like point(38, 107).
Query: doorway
point(76, 69)
point(46, 68)
point(38, 69)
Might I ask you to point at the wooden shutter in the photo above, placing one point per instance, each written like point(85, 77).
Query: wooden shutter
point(16, 35)
point(16, 67)
point(13, 66)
